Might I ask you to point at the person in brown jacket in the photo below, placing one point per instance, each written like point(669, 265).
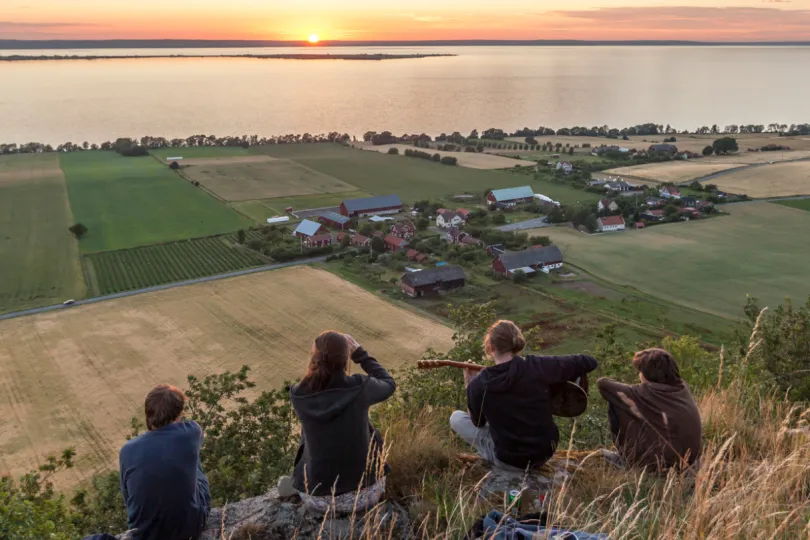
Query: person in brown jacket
point(656, 423)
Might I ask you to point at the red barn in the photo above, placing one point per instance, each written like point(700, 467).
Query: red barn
point(370, 206)
point(511, 196)
point(335, 220)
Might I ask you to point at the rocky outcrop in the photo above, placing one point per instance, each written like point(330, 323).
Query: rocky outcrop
point(271, 517)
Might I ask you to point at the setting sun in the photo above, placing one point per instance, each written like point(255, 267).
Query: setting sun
point(314, 38)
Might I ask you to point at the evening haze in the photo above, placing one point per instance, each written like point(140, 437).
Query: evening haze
point(701, 20)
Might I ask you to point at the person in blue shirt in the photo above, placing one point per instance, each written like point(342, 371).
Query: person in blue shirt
point(164, 487)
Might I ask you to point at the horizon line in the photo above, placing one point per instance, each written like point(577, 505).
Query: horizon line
point(6, 43)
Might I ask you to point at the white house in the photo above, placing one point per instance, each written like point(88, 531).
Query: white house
point(448, 219)
point(670, 192)
point(607, 205)
point(565, 167)
point(611, 223)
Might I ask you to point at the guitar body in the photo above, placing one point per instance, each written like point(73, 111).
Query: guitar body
point(568, 400)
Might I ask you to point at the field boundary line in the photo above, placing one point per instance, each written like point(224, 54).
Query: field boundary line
point(156, 288)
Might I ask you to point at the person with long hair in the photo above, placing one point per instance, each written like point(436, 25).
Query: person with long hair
point(655, 424)
point(340, 463)
point(509, 419)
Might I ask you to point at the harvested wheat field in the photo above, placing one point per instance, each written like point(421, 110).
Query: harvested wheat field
point(777, 180)
point(753, 158)
point(471, 160)
point(77, 377)
point(674, 171)
point(243, 178)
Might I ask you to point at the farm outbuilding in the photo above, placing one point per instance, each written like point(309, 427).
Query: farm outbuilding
point(431, 281)
point(394, 244)
point(369, 206)
point(335, 220)
point(511, 196)
point(309, 228)
point(319, 240)
point(611, 223)
point(529, 260)
point(403, 229)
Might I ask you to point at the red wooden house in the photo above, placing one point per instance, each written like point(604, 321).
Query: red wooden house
point(403, 229)
point(318, 241)
point(394, 244)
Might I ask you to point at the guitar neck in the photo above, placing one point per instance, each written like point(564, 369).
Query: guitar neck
point(432, 364)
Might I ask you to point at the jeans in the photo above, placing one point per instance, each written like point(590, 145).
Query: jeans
point(479, 438)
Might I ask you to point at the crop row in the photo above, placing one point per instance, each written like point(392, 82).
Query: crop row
point(117, 271)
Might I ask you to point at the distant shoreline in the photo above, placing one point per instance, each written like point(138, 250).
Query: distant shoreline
point(6, 44)
point(362, 57)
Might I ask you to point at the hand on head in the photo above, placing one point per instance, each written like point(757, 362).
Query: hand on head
point(352, 343)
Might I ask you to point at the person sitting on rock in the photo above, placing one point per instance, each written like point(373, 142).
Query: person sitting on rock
point(340, 464)
point(509, 419)
point(656, 423)
point(164, 487)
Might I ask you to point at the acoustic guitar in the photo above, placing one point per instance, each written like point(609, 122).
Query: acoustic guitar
point(568, 399)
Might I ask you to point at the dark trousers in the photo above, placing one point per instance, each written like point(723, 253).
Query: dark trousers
point(613, 422)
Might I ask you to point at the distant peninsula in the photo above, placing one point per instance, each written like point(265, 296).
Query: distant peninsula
point(27, 58)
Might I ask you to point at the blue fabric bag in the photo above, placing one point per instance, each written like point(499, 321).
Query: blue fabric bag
point(500, 527)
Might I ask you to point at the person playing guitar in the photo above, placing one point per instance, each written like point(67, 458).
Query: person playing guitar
point(509, 418)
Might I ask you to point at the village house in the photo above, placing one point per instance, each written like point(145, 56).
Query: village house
point(670, 192)
point(653, 215)
point(565, 166)
point(358, 240)
point(449, 219)
point(689, 201)
point(607, 205)
point(689, 213)
point(309, 228)
point(653, 202)
point(611, 223)
point(318, 241)
point(511, 196)
point(378, 234)
point(597, 183)
point(469, 240)
point(433, 280)
point(704, 206)
point(529, 261)
point(416, 256)
point(604, 149)
point(463, 212)
point(495, 249)
point(669, 149)
point(403, 229)
point(619, 186)
point(394, 244)
point(369, 206)
point(335, 220)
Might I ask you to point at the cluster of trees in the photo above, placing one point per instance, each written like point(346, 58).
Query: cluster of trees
point(78, 230)
point(277, 243)
point(725, 145)
point(150, 142)
point(438, 158)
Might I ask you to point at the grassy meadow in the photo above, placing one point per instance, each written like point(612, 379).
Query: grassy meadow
point(200, 152)
point(411, 178)
point(129, 202)
point(706, 265)
point(801, 204)
point(259, 177)
point(77, 377)
point(39, 258)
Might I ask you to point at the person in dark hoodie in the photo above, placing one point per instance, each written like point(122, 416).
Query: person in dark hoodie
point(162, 481)
point(509, 420)
point(655, 424)
point(339, 464)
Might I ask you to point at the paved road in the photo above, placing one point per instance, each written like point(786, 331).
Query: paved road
point(535, 223)
point(161, 287)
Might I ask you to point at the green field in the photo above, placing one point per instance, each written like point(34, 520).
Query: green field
point(260, 210)
point(412, 179)
point(761, 249)
point(801, 204)
point(39, 259)
point(125, 270)
point(200, 152)
point(130, 202)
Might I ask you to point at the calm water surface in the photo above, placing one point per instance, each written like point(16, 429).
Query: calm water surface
point(505, 87)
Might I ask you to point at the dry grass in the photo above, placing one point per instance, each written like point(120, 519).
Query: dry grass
point(77, 377)
point(260, 177)
point(674, 171)
point(777, 180)
point(753, 158)
point(465, 159)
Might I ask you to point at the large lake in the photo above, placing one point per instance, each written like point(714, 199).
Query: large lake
point(505, 87)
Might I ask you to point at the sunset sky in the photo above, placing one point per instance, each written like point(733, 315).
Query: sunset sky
point(709, 20)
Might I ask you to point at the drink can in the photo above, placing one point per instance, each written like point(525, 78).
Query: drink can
point(514, 497)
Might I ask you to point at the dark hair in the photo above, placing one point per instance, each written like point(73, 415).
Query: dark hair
point(330, 356)
point(163, 405)
point(658, 366)
point(503, 337)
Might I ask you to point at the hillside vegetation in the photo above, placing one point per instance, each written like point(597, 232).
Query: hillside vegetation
point(754, 480)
